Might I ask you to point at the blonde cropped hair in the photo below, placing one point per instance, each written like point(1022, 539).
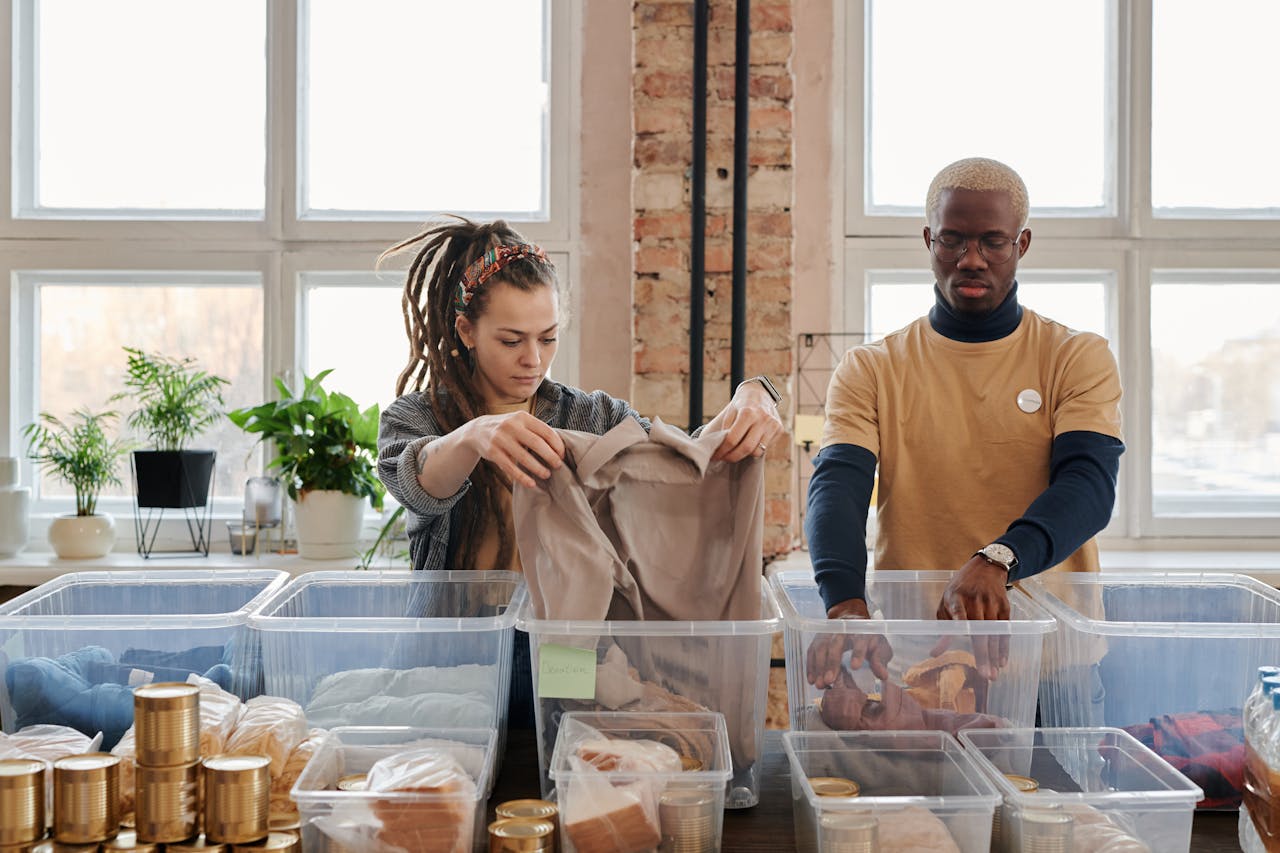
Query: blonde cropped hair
point(982, 175)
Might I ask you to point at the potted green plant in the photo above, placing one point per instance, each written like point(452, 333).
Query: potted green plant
point(175, 402)
point(79, 453)
point(325, 451)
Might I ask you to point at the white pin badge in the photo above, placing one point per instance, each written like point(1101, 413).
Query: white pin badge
point(1029, 400)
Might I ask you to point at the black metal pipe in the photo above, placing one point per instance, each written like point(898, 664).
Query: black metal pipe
point(698, 224)
point(741, 113)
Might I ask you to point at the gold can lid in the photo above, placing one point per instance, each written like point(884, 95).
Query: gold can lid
point(1024, 784)
point(20, 772)
point(199, 844)
point(86, 762)
point(689, 764)
point(521, 835)
point(834, 786)
point(166, 696)
point(128, 840)
point(285, 842)
point(535, 809)
point(236, 763)
point(354, 782)
point(284, 821)
point(63, 847)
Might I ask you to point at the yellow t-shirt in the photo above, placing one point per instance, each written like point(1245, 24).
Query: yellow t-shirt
point(487, 553)
point(959, 458)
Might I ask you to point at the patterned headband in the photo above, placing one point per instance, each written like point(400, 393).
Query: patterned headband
point(484, 267)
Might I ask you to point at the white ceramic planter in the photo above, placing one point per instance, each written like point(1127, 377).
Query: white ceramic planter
point(329, 525)
point(75, 537)
point(15, 507)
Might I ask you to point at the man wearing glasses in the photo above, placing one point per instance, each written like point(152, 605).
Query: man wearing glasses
point(996, 431)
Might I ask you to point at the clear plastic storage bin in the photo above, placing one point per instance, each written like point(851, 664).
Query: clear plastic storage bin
point(914, 790)
point(72, 649)
point(392, 648)
point(1097, 789)
point(348, 818)
point(657, 667)
point(1162, 656)
point(935, 662)
point(684, 809)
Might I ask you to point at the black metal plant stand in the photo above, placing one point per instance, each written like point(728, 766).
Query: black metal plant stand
point(198, 516)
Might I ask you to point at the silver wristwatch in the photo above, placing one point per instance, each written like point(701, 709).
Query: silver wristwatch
point(1000, 555)
point(768, 387)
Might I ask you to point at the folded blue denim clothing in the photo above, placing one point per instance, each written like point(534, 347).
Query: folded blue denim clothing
point(198, 659)
point(90, 691)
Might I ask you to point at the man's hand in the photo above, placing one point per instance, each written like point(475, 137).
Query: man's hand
point(823, 659)
point(977, 592)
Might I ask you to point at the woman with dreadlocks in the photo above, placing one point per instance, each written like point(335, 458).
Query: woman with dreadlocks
point(476, 412)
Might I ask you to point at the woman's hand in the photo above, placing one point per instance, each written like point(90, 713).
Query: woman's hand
point(752, 421)
point(518, 443)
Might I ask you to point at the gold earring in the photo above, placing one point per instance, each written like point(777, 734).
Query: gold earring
point(454, 352)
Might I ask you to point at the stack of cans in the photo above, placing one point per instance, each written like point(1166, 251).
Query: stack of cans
point(21, 803)
point(849, 832)
point(525, 826)
point(1025, 785)
point(166, 719)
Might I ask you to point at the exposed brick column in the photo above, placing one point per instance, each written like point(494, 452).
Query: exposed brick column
point(663, 113)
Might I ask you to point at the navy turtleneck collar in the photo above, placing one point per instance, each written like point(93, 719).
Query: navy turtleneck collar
point(969, 329)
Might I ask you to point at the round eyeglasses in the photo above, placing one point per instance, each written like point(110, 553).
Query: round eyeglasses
point(994, 248)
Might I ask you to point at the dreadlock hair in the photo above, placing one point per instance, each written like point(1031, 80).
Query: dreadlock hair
point(438, 359)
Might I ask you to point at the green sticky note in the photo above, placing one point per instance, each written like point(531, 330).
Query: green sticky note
point(566, 673)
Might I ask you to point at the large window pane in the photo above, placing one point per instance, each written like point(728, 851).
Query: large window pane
point(355, 326)
point(84, 322)
point(1080, 303)
point(443, 106)
point(1215, 408)
point(1024, 81)
point(1213, 122)
point(144, 105)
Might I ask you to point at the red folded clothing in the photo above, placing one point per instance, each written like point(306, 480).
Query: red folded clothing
point(1205, 746)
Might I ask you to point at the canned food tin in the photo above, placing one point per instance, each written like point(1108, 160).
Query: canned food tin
point(834, 786)
point(521, 835)
point(279, 842)
point(237, 797)
point(849, 832)
point(199, 844)
point(354, 782)
point(86, 798)
point(167, 802)
point(166, 718)
point(21, 801)
point(128, 840)
point(687, 817)
point(1024, 784)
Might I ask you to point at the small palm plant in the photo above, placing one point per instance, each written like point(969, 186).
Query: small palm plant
point(79, 453)
point(175, 400)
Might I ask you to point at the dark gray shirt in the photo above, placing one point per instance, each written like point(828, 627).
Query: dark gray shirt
point(409, 423)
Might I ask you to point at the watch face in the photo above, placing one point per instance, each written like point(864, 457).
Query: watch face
point(1001, 554)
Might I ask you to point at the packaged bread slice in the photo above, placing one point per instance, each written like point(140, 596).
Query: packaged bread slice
point(601, 818)
point(270, 726)
point(442, 821)
point(914, 830)
point(219, 711)
point(628, 756)
point(281, 785)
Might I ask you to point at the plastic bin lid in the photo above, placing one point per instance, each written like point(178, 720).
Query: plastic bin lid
point(769, 623)
point(1164, 785)
point(263, 617)
point(1050, 589)
point(983, 793)
point(1028, 616)
point(14, 614)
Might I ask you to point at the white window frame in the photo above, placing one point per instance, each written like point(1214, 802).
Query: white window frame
point(277, 247)
point(1130, 244)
